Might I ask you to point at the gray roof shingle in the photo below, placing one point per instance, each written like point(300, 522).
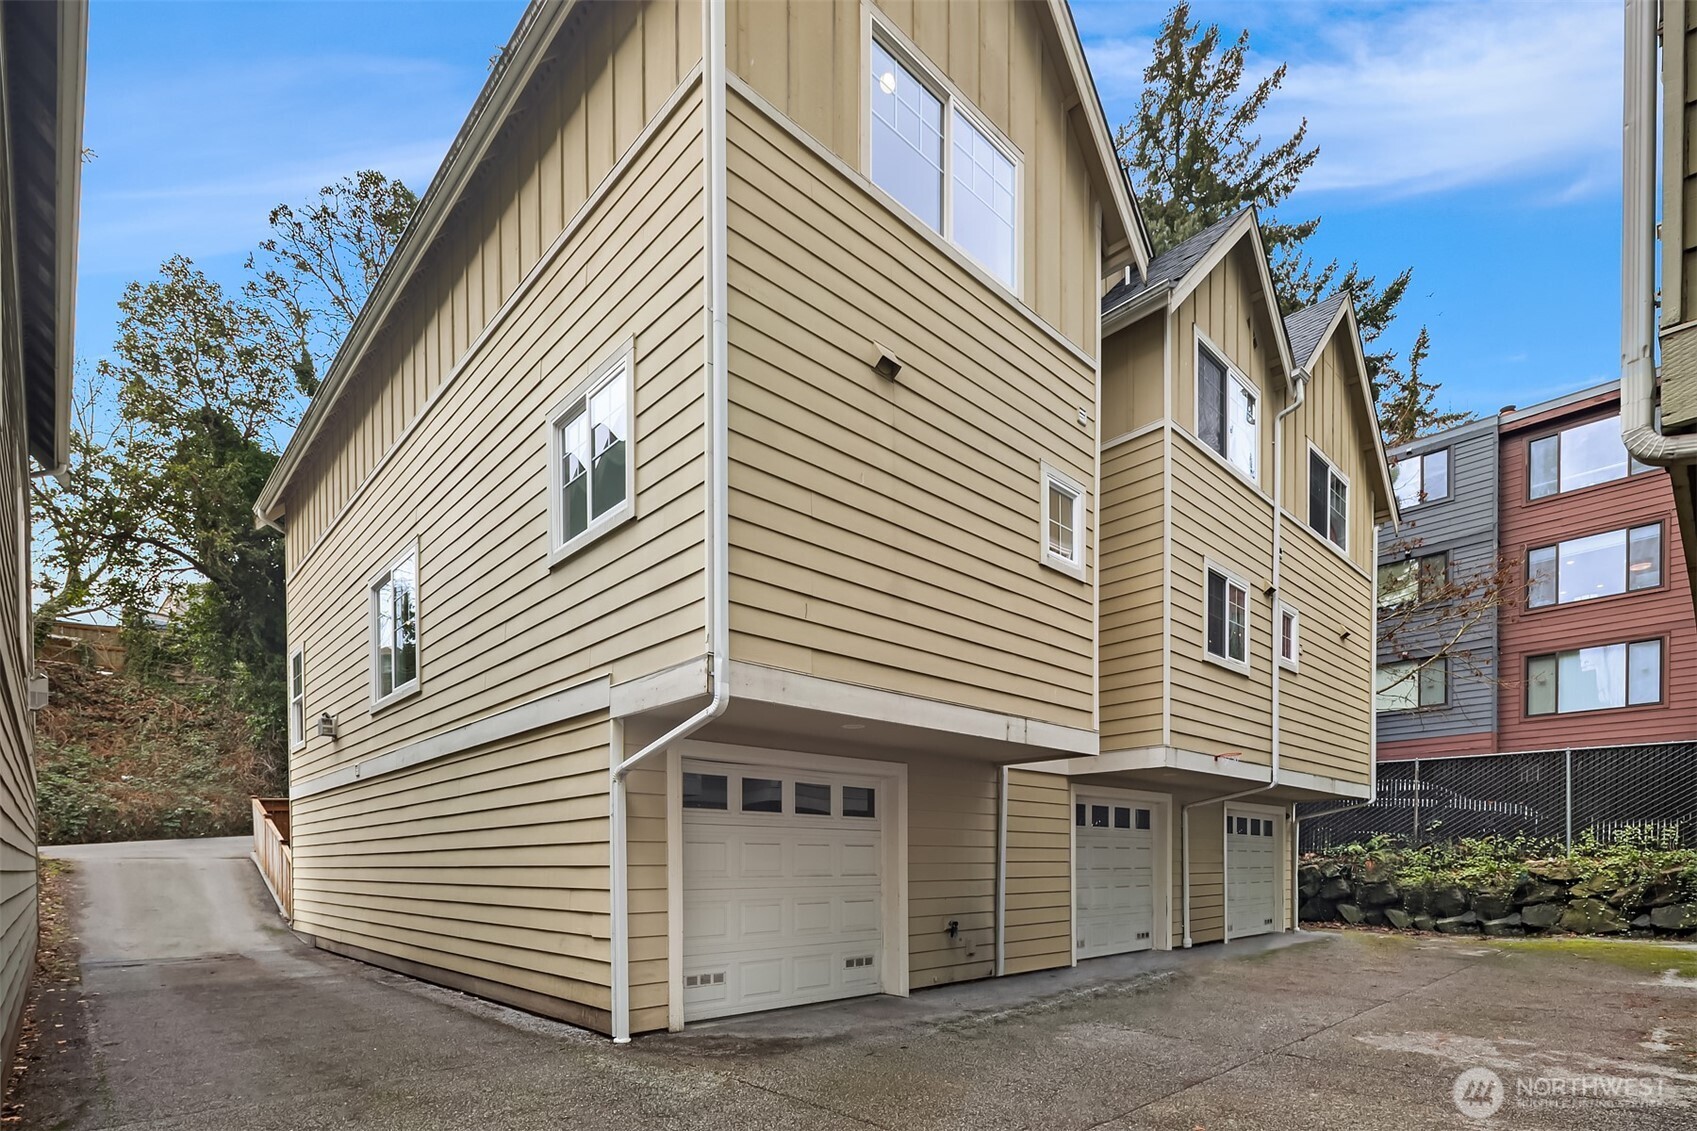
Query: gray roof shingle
point(1305, 328)
point(1171, 265)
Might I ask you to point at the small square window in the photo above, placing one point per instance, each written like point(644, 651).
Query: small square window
point(593, 474)
point(706, 791)
point(859, 801)
point(1227, 618)
point(1122, 817)
point(762, 795)
point(1063, 523)
point(1255, 826)
point(812, 799)
point(1099, 816)
point(1243, 826)
point(1143, 818)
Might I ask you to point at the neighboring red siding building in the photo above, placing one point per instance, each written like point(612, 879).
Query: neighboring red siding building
point(1599, 647)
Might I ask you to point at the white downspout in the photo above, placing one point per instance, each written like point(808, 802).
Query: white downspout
point(1301, 378)
point(1002, 874)
point(1638, 251)
point(716, 507)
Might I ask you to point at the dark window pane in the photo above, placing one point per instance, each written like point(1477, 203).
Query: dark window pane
point(1099, 816)
point(812, 799)
point(1143, 818)
point(859, 801)
point(1319, 475)
point(762, 795)
point(1211, 401)
point(1255, 826)
point(1078, 814)
point(1122, 817)
point(705, 791)
point(1217, 614)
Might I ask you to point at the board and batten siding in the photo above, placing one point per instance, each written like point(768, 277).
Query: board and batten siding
point(17, 762)
point(612, 69)
point(1133, 589)
point(1464, 527)
point(497, 625)
point(886, 534)
point(1333, 421)
point(1037, 930)
point(1133, 378)
point(810, 60)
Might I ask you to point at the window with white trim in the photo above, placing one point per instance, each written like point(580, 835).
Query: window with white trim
point(297, 699)
point(1225, 411)
point(590, 452)
point(1227, 618)
point(1063, 522)
point(1328, 500)
point(937, 157)
point(1290, 636)
point(394, 629)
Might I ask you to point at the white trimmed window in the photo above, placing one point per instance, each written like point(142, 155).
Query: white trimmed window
point(297, 699)
point(939, 159)
point(1063, 522)
point(1225, 411)
point(1290, 636)
point(1227, 618)
point(394, 629)
point(591, 456)
point(1328, 500)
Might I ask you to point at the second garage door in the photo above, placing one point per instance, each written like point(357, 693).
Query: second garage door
point(783, 888)
point(1252, 871)
point(1114, 886)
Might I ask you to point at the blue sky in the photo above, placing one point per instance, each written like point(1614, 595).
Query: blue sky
point(1479, 144)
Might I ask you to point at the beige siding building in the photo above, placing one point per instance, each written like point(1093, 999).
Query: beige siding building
point(710, 508)
point(42, 48)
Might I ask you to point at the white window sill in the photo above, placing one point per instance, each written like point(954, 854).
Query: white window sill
point(1327, 542)
point(396, 696)
point(1291, 665)
point(598, 529)
point(1062, 565)
point(1241, 667)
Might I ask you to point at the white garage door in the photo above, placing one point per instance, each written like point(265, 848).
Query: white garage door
point(1114, 854)
point(782, 888)
point(1252, 874)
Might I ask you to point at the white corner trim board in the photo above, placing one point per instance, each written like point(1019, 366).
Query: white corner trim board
point(545, 711)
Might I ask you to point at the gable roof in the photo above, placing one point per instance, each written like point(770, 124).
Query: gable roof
point(1309, 327)
point(1170, 267)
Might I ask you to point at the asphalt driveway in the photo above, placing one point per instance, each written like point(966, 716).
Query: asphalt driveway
point(198, 1010)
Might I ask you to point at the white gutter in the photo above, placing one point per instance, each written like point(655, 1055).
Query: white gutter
point(1300, 379)
point(1638, 251)
point(716, 436)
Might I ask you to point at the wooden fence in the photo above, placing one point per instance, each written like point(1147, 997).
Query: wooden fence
point(271, 850)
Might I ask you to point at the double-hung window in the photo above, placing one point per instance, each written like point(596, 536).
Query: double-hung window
point(297, 700)
point(1581, 456)
point(1227, 618)
point(593, 472)
point(1408, 685)
point(938, 160)
point(1595, 679)
point(394, 629)
point(1598, 565)
point(1063, 523)
point(1225, 411)
point(1328, 500)
point(1423, 478)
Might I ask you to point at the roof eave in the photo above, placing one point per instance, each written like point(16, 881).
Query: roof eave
point(1136, 308)
point(73, 56)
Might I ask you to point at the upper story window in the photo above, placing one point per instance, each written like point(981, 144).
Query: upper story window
point(1581, 456)
point(1599, 565)
point(1063, 523)
point(1227, 618)
point(1290, 636)
point(1408, 685)
point(1225, 411)
point(940, 161)
point(297, 700)
point(1412, 580)
point(593, 474)
point(394, 629)
point(1328, 500)
point(1423, 478)
point(1595, 679)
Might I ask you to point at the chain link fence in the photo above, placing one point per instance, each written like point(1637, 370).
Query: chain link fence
point(1557, 794)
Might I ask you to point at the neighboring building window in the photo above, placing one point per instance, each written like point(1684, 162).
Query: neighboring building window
point(1595, 679)
point(1599, 565)
point(913, 160)
point(394, 629)
point(1328, 500)
point(297, 700)
point(1408, 685)
point(1290, 636)
point(1581, 456)
point(1412, 580)
point(1225, 411)
point(1228, 618)
point(1423, 478)
point(594, 476)
point(1063, 523)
